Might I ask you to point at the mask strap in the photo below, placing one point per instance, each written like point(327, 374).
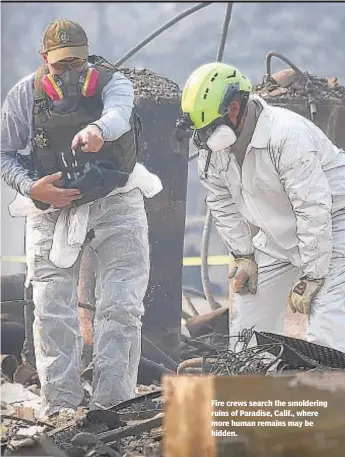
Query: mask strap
point(240, 115)
point(91, 82)
point(208, 160)
point(199, 145)
point(51, 88)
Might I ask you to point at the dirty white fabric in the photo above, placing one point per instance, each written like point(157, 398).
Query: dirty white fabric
point(69, 235)
point(291, 185)
point(121, 255)
point(71, 225)
point(15, 394)
point(266, 309)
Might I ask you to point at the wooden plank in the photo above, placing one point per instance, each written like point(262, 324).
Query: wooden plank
point(189, 408)
point(187, 416)
point(132, 429)
point(216, 321)
point(86, 294)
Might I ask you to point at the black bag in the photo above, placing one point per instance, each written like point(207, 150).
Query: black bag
point(95, 180)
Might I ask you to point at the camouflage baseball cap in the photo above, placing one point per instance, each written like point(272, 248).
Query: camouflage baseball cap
point(63, 39)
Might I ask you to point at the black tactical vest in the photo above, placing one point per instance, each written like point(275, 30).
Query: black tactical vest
point(53, 134)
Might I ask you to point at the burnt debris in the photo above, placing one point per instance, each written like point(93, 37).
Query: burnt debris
point(150, 85)
point(288, 84)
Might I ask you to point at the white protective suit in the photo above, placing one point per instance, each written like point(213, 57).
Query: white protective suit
point(292, 187)
point(121, 259)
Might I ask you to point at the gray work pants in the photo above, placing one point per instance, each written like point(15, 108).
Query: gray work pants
point(121, 254)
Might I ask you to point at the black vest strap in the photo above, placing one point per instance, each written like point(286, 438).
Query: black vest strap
point(53, 133)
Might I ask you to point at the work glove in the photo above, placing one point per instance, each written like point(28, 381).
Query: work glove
point(244, 276)
point(303, 293)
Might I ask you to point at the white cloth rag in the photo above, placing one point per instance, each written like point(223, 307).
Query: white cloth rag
point(72, 224)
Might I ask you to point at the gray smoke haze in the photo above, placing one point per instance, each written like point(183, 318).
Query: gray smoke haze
point(312, 35)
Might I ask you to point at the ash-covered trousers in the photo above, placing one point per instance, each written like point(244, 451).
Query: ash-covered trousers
point(121, 254)
point(266, 309)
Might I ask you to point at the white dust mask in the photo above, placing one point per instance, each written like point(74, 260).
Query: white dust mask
point(221, 138)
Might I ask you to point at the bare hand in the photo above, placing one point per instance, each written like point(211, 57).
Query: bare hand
point(44, 191)
point(90, 139)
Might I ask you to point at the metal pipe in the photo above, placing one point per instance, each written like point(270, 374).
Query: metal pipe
point(168, 360)
point(190, 363)
point(204, 262)
point(160, 30)
point(208, 220)
point(224, 31)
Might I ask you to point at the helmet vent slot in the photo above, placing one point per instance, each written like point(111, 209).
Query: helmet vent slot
point(233, 75)
point(205, 94)
point(214, 77)
point(203, 116)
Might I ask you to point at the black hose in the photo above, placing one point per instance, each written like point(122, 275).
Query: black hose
point(284, 59)
point(311, 100)
point(160, 30)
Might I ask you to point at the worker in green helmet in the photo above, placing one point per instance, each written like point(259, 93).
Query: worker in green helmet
point(276, 191)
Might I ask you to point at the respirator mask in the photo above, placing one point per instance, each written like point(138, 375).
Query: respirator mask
point(66, 88)
point(219, 135)
point(214, 138)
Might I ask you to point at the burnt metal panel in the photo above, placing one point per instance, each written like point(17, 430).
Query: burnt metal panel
point(162, 155)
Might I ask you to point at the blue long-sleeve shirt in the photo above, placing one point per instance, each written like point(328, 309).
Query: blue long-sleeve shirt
point(17, 124)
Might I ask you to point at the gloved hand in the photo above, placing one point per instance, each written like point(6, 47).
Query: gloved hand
point(303, 293)
point(244, 276)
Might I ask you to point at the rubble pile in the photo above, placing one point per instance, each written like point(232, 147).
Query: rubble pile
point(149, 85)
point(206, 351)
point(130, 429)
point(127, 427)
point(287, 84)
point(134, 428)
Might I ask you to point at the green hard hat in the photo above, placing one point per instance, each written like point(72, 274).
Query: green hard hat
point(209, 90)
